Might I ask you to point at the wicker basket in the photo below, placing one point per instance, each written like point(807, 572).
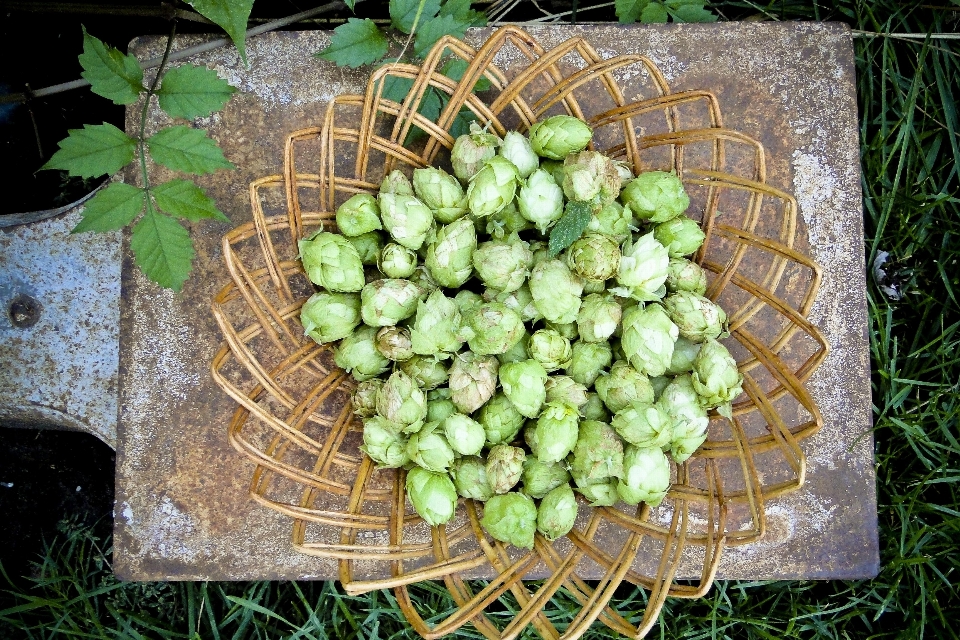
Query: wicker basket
point(294, 420)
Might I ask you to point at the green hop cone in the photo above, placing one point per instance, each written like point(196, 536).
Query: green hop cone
point(511, 518)
point(715, 377)
point(598, 494)
point(644, 424)
point(681, 236)
point(589, 176)
point(358, 215)
point(364, 397)
point(598, 317)
point(655, 196)
point(500, 420)
point(330, 316)
point(473, 380)
point(469, 475)
point(556, 137)
point(433, 495)
point(684, 353)
point(523, 383)
point(550, 349)
point(397, 261)
point(539, 478)
point(683, 275)
point(622, 386)
point(506, 222)
point(422, 278)
point(471, 151)
point(614, 221)
point(396, 182)
point(648, 338)
point(594, 256)
point(643, 269)
point(503, 264)
point(504, 467)
point(467, 302)
point(566, 329)
point(516, 353)
point(556, 291)
point(427, 371)
point(493, 329)
point(384, 303)
point(439, 408)
point(594, 409)
point(405, 218)
point(394, 343)
point(368, 246)
point(429, 448)
point(401, 401)
point(588, 360)
point(624, 170)
point(332, 262)
point(520, 301)
point(540, 200)
point(566, 390)
point(492, 188)
point(646, 476)
point(681, 402)
point(357, 354)
point(436, 327)
point(441, 192)
point(517, 149)
point(555, 432)
point(384, 444)
point(464, 434)
point(697, 318)
point(557, 513)
point(450, 256)
point(555, 169)
point(598, 453)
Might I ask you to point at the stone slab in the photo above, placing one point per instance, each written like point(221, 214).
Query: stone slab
point(182, 507)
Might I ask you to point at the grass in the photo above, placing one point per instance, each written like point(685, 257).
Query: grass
point(910, 139)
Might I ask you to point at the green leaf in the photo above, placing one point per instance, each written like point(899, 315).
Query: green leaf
point(95, 150)
point(162, 249)
point(184, 149)
point(456, 67)
point(356, 43)
point(654, 13)
point(431, 31)
point(570, 226)
point(460, 9)
point(403, 13)
point(185, 199)
point(461, 124)
point(231, 15)
point(350, 4)
point(112, 208)
point(110, 73)
point(396, 88)
point(692, 13)
point(192, 92)
point(628, 11)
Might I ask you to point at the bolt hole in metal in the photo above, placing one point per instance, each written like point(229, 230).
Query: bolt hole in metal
point(24, 311)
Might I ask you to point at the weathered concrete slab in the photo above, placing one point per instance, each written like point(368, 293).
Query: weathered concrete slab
point(182, 505)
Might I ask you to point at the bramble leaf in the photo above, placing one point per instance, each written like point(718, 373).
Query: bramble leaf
point(355, 43)
point(628, 11)
point(431, 31)
point(162, 249)
point(654, 13)
point(692, 12)
point(184, 149)
point(403, 13)
point(231, 15)
point(460, 9)
point(110, 73)
point(112, 208)
point(191, 91)
point(570, 226)
point(456, 67)
point(350, 4)
point(95, 150)
point(185, 199)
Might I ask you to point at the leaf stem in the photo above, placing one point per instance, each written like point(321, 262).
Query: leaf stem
point(142, 146)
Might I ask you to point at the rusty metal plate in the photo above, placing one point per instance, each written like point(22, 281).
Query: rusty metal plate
point(182, 509)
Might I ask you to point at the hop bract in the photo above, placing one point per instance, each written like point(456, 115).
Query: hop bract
point(598, 453)
point(559, 136)
point(332, 262)
point(598, 318)
point(594, 256)
point(364, 397)
point(541, 477)
point(494, 328)
point(622, 386)
point(429, 448)
point(473, 379)
point(400, 400)
point(436, 327)
point(464, 434)
point(394, 343)
point(555, 432)
point(644, 424)
point(683, 275)
point(681, 236)
point(589, 176)
point(501, 420)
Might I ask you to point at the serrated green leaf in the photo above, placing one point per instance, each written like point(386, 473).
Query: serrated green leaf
point(231, 15)
point(350, 4)
point(191, 91)
point(570, 226)
point(162, 249)
point(112, 208)
point(95, 150)
point(461, 10)
point(692, 13)
point(403, 13)
point(654, 13)
point(461, 124)
point(431, 31)
point(355, 43)
point(455, 68)
point(185, 199)
point(110, 73)
point(628, 11)
point(396, 88)
point(184, 149)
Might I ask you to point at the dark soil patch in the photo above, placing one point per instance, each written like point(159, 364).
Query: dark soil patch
point(46, 476)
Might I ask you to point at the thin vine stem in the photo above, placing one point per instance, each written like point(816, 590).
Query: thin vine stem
point(142, 146)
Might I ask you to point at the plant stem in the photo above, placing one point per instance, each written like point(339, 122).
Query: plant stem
point(142, 146)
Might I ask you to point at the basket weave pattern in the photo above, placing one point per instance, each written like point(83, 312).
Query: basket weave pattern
point(294, 419)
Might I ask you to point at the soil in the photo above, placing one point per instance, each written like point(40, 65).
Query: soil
point(46, 476)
